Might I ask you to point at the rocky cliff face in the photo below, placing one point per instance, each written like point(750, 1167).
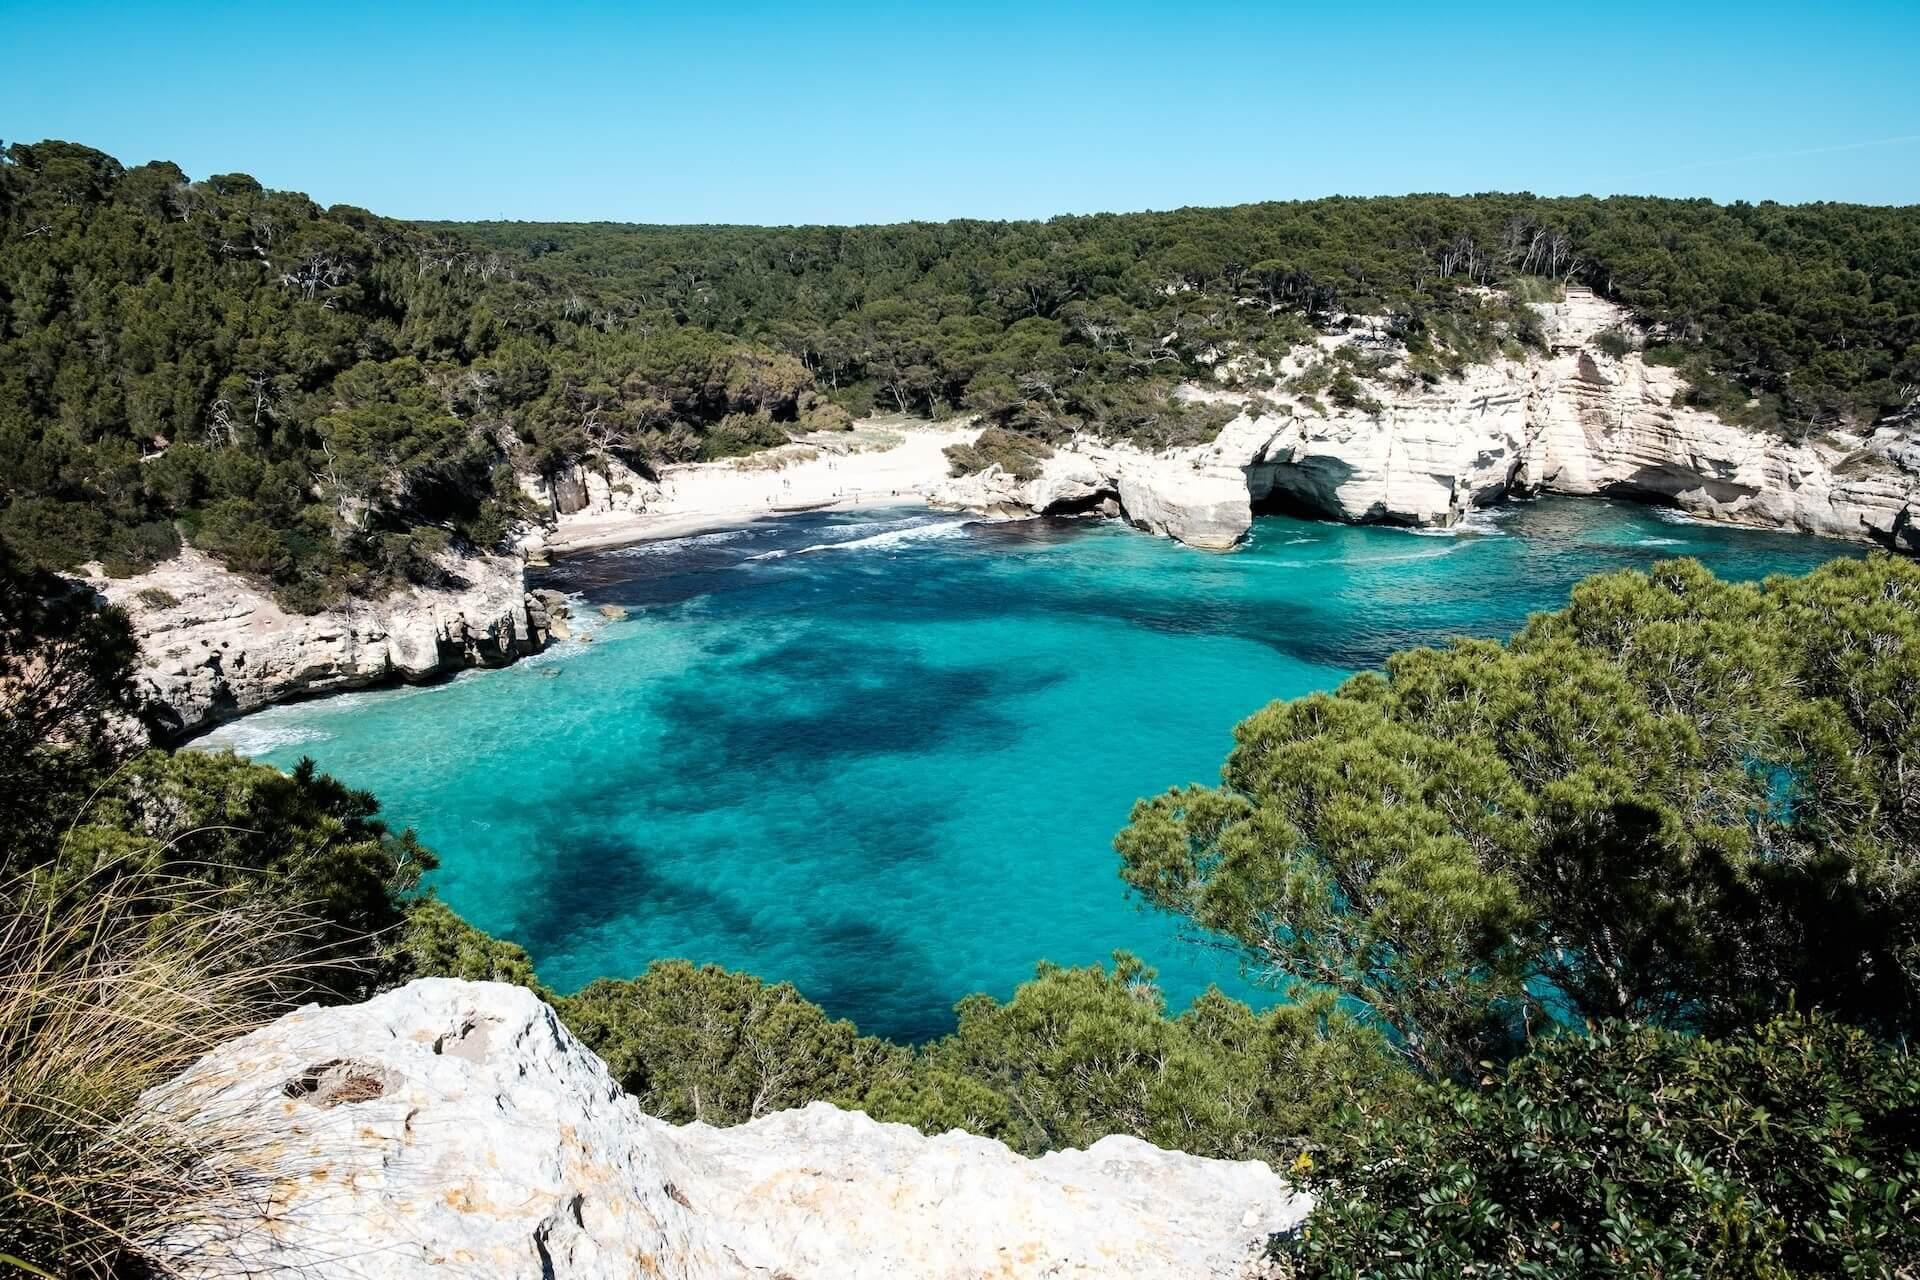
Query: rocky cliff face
point(455, 1128)
point(1572, 420)
point(215, 646)
point(1186, 495)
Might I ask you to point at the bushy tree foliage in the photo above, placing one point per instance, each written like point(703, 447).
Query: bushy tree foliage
point(434, 942)
point(1074, 1055)
point(1590, 882)
point(67, 703)
point(701, 1043)
point(299, 842)
point(1077, 1054)
point(318, 397)
point(1810, 312)
point(1677, 801)
point(1017, 455)
point(1792, 1149)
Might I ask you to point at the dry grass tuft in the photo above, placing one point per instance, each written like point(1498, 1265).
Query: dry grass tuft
point(107, 989)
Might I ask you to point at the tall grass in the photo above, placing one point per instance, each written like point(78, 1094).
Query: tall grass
point(108, 988)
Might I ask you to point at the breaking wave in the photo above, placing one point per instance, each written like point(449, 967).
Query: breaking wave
point(887, 540)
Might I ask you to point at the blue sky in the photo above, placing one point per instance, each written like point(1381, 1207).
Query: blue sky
point(863, 113)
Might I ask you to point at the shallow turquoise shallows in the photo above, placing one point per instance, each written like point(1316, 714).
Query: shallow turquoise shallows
point(883, 754)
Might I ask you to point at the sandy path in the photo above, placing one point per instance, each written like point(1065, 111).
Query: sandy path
point(874, 466)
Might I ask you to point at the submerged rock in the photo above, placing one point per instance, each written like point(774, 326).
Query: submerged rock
point(456, 1128)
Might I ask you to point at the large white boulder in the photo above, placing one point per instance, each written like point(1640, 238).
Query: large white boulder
point(1207, 506)
point(457, 1129)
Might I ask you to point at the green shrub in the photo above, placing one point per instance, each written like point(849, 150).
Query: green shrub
point(1789, 1150)
point(46, 533)
point(738, 434)
point(156, 598)
point(434, 942)
point(299, 840)
point(1615, 342)
point(1077, 1054)
point(1018, 455)
point(700, 1043)
point(1349, 392)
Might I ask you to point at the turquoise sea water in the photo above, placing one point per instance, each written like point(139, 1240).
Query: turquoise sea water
point(883, 754)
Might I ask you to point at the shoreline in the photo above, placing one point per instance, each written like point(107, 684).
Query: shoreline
point(215, 646)
point(882, 462)
point(642, 527)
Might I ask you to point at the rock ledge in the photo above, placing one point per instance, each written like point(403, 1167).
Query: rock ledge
point(456, 1128)
point(214, 646)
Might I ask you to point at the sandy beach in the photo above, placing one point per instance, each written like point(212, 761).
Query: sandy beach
point(880, 463)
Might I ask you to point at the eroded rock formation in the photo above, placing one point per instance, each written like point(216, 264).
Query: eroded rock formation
point(213, 645)
point(1573, 420)
point(456, 1128)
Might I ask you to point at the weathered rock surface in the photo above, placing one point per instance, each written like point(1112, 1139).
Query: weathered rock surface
point(1182, 494)
point(455, 1128)
point(1571, 420)
point(213, 645)
point(1200, 504)
point(1070, 480)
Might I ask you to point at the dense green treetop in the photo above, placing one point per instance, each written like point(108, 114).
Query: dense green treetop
point(1814, 309)
point(1789, 1150)
point(319, 397)
point(1677, 801)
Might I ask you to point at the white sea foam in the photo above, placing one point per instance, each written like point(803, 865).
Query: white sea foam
point(262, 732)
point(1482, 522)
point(673, 546)
point(1434, 554)
point(1673, 515)
point(892, 536)
point(1660, 542)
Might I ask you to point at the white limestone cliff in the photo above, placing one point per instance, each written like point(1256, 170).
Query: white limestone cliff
point(1572, 420)
point(214, 645)
point(456, 1128)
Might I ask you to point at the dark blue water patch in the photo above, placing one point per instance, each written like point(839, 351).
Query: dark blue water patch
point(883, 755)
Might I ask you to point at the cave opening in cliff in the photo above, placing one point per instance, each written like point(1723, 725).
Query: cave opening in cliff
point(1099, 502)
point(1281, 501)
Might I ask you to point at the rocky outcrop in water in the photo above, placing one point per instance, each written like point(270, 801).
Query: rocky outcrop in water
point(1573, 419)
point(456, 1128)
point(213, 645)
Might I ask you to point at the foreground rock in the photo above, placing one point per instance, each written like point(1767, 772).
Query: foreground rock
point(214, 646)
point(455, 1128)
point(1573, 419)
